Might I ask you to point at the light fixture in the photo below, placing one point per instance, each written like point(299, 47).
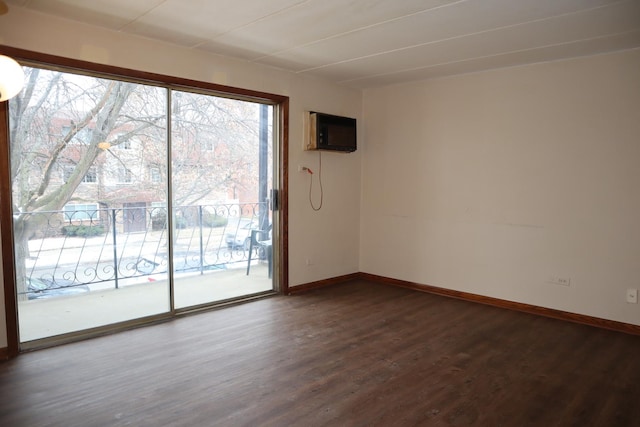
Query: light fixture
point(11, 78)
point(11, 74)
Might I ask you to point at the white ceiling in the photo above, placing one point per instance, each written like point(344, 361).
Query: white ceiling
point(366, 43)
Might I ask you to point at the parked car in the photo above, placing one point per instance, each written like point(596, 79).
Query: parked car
point(238, 235)
point(39, 288)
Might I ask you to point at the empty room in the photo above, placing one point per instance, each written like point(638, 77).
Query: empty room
point(320, 213)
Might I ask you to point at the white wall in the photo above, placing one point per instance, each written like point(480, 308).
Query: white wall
point(490, 183)
point(330, 237)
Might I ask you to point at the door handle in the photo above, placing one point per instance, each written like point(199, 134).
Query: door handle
point(274, 200)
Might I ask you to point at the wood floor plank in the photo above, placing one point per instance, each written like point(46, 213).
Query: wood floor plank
point(356, 354)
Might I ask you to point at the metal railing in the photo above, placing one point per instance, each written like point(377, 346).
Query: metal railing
point(115, 247)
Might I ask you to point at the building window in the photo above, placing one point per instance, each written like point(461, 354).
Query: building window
point(207, 145)
point(125, 145)
point(125, 175)
point(90, 177)
point(67, 172)
point(155, 174)
point(78, 212)
point(83, 137)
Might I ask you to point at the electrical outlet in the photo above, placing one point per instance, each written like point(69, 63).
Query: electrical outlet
point(309, 261)
point(557, 280)
point(632, 296)
point(302, 168)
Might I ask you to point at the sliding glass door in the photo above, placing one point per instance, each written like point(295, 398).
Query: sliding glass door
point(221, 168)
point(80, 146)
point(133, 201)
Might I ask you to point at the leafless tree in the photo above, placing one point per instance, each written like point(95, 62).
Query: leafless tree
point(62, 126)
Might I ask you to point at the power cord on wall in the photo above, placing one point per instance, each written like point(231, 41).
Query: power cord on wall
point(319, 181)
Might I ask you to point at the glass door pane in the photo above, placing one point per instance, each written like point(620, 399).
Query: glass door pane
point(221, 171)
point(88, 169)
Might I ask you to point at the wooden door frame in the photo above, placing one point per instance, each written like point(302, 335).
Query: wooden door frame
point(6, 214)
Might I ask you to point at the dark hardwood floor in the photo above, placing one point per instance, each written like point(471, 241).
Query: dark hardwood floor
point(357, 354)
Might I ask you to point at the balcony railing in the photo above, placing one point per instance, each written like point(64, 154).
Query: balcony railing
point(120, 246)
